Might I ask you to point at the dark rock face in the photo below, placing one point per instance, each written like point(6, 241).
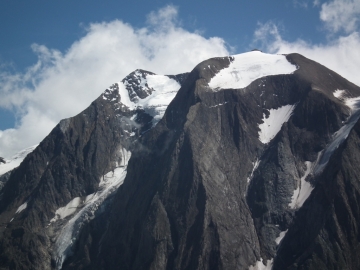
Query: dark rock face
point(201, 190)
point(187, 204)
point(325, 232)
point(67, 164)
point(3, 179)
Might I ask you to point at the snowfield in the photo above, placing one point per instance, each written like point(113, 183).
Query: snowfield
point(248, 67)
point(272, 124)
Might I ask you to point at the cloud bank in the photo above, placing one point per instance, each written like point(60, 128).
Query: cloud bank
point(61, 85)
point(341, 53)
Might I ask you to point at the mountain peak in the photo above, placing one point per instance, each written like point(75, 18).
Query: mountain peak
point(248, 161)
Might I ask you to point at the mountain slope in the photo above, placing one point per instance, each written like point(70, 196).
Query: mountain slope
point(325, 234)
point(70, 176)
point(252, 165)
point(219, 197)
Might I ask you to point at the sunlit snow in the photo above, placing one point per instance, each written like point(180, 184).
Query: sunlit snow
point(21, 208)
point(261, 266)
point(272, 125)
point(342, 133)
point(303, 191)
point(351, 102)
point(218, 105)
point(67, 210)
point(15, 161)
point(247, 67)
point(164, 91)
point(109, 183)
point(255, 166)
point(339, 93)
point(280, 237)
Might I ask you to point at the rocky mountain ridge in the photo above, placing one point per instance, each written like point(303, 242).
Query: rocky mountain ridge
point(251, 164)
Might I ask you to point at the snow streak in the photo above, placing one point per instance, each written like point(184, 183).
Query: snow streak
point(303, 191)
point(341, 135)
point(87, 209)
point(280, 237)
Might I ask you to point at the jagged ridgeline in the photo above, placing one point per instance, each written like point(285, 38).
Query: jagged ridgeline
point(247, 162)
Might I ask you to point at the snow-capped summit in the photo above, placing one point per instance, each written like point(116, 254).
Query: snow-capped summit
point(143, 90)
point(247, 67)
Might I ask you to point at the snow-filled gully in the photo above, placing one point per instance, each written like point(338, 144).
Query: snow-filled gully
point(86, 208)
point(305, 188)
point(339, 137)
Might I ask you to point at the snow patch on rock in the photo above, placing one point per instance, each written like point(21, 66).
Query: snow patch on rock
point(247, 67)
point(87, 207)
point(218, 105)
point(259, 265)
point(162, 91)
point(273, 123)
point(67, 210)
point(21, 208)
point(304, 189)
point(341, 135)
point(280, 237)
point(339, 93)
point(344, 96)
point(15, 161)
point(255, 166)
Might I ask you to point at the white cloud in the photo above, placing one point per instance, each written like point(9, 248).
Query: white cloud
point(61, 85)
point(340, 54)
point(341, 15)
point(316, 3)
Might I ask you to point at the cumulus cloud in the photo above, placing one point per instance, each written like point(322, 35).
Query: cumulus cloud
point(62, 84)
point(340, 53)
point(341, 15)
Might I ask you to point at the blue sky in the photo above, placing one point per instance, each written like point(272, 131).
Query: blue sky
point(57, 56)
point(57, 24)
